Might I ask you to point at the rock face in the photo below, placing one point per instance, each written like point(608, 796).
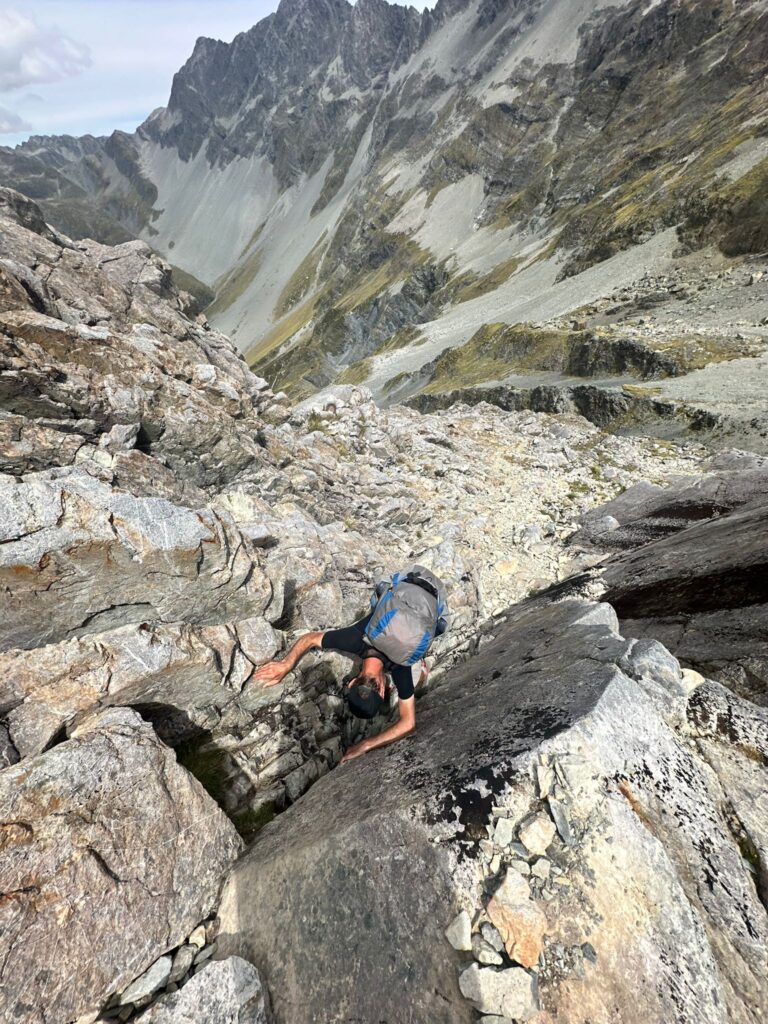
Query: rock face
point(711, 600)
point(610, 408)
point(645, 513)
point(648, 876)
point(692, 570)
point(720, 563)
point(173, 673)
point(104, 355)
point(111, 852)
point(227, 992)
point(87, 558)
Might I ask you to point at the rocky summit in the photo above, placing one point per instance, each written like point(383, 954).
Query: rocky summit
point(494, 314)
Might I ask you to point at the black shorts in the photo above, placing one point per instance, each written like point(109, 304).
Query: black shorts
point(351, 640)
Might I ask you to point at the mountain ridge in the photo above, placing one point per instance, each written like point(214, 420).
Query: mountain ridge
point(323, 166)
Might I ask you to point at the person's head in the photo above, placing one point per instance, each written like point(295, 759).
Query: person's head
point(365, 694)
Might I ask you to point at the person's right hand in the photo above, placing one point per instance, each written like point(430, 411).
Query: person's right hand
point(270, 674)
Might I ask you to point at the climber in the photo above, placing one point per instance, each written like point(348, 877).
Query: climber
point(408, 611)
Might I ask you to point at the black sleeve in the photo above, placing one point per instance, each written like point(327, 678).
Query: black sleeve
point(350, 639)
point(402, 677)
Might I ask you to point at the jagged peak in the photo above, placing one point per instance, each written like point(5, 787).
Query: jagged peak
point(316, 9)
point(376, 9)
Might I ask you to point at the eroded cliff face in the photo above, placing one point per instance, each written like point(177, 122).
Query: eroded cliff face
point(169, 522)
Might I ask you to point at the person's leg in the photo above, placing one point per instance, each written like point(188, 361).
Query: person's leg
point(350, 639)
point(419, 673)
point(402, 677)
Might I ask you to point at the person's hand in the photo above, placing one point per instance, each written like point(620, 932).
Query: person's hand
point(270, 674)
point(356, 751)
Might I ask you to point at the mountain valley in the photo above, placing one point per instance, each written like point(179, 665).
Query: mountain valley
point(377, 195)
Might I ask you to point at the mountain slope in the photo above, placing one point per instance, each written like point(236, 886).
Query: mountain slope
point(354, 179)
point(168, 523)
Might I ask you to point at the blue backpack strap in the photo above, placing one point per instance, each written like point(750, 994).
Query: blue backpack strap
point(379, 590)
point(384, 588)
point(421, 650)
point(382, 624)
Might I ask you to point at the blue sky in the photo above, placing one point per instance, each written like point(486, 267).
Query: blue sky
point(90, 66)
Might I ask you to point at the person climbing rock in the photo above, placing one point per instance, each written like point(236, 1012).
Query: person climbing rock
point(408, 610)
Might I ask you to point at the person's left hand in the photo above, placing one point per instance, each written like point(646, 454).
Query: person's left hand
point(270, 674)
point(356, 751)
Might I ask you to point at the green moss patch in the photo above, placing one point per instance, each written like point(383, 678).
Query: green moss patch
point(300, 371)
point(301, 280)
point(282, 332)
point(236, 284)
point(474, 287)
point(694, 352)
point(495, 351)
point(357, 373)
point(394, 382)
point(405, 337)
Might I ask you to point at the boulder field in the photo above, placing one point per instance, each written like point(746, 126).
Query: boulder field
point(577, 830)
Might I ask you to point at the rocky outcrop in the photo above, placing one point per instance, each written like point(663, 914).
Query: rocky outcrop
point(111, 853)
point(230, 990)
point(691, 569)
point(530, 799)
point(703, 592)
point(613, 408)
point(184, 677)
point(645, 512)
point(524, 349)
point(87, 558)
point(112, 363)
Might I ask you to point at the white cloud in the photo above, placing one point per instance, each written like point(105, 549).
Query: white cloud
point(11, 123)
point(31, 54)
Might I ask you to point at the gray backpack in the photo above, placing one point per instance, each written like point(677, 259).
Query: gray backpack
point(409, 611)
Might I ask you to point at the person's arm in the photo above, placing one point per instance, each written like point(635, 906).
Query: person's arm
point(275, 671)
point(404, 726)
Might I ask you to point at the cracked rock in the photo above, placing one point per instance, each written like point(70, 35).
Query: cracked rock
point(227, 991)
point(510, 993)
point(537, 834)
point(108, 844)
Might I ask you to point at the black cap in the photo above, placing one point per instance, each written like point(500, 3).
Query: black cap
point(363, 700)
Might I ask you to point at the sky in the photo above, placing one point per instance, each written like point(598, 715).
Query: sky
point(77, 67)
